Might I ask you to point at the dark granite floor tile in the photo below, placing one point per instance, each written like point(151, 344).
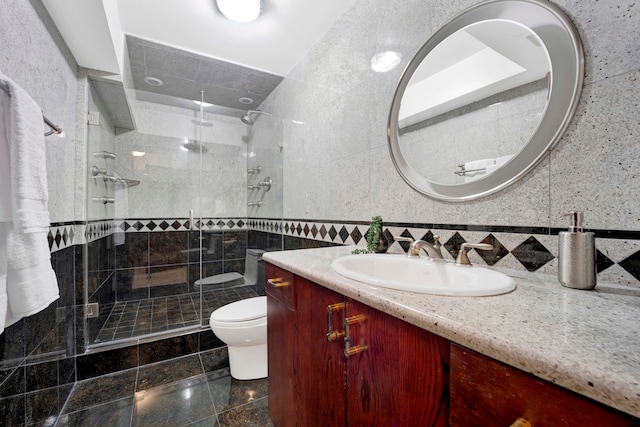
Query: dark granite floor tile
point(101, 390)
point(173, 405)
point(12, 410)
point(40, 405)
point(163, 373)
point(64, 391)
point(105, 335)
point(66, 371)
point(42, 375)
point(116, 413)
point(207, 422)
point(208, 340)
point(228, 393)
point(168, 349)
point(254, 414)
point(94, 365)
point(13, 382)
point(122, 335)
point(213, 360)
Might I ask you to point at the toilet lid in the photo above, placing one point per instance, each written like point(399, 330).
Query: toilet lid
point(240, 311)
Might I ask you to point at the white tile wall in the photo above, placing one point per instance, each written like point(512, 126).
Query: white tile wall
point(170, 180)
point(343, 106)
point(33, 54)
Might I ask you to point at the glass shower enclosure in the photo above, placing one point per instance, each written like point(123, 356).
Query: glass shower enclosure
point(166, 207)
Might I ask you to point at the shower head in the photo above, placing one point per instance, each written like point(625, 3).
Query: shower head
point(194, 147)
point(248, 119)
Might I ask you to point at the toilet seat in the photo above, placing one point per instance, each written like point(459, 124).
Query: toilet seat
point(245, 310)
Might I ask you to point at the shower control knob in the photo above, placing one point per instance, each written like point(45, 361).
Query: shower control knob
point(266, 183)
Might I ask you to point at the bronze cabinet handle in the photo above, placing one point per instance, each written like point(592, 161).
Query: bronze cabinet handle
point(349, 348)
point(333, 335)
point(277, 282)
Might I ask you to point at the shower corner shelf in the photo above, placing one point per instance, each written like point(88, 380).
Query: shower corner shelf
point(104, 155)
point(98, 173)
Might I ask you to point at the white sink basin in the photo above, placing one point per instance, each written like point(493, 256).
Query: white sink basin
point(422, 275)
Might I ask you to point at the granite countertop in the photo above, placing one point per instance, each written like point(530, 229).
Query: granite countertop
point(585, 341)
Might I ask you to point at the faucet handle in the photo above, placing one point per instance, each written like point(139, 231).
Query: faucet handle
point(463, 259)
point(404, 239)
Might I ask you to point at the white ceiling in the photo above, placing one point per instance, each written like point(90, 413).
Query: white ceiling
point(273, 43)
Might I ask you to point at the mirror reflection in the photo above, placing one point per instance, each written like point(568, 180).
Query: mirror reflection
point(474, 101)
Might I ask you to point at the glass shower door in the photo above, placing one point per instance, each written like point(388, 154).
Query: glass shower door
point(170, 209)
point(142, 266)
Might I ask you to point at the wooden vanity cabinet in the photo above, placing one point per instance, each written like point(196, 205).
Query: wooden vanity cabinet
point(488, 393)
point(396, 374)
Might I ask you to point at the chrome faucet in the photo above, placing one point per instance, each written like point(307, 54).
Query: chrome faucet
point(433, 249)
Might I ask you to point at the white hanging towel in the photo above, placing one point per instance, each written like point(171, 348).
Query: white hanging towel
point(497, 163)
point(28, 284)
point(479, 168)
point(486, 167)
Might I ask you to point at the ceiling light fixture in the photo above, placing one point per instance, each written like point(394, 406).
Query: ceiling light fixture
point(240, 10)
point(385, 61)
point(152, 81)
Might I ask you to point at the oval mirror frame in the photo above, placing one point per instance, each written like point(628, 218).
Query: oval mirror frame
point(563, 45)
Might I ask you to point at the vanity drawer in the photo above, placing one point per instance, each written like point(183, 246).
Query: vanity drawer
point(485, 392)
point(280, 285)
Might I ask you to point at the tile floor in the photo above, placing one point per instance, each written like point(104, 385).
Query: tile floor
point(175, 393)
point(128, 319)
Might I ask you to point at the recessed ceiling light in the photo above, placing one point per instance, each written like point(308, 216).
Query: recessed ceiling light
point(152, 81)
point(204, 104)
point(245, 100)
point(385, 61)
point(240, 10)
point(138, 153)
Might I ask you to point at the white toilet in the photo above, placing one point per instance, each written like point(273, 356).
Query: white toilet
point(250, 276)
point(242, 325)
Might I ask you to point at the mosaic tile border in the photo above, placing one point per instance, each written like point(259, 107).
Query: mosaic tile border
point(266, 224)
point(523, 248)
point(532, 249)
point(64, 235)
point(179, 224)
point(98, 229)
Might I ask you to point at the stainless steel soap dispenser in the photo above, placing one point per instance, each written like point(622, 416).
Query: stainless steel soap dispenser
point(577, 255)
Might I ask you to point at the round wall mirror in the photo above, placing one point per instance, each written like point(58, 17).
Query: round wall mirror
point(485, 98)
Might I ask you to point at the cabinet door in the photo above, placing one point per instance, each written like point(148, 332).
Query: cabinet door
point(281, 320)
point(488, 393)
point(320, 363)
point(306, 371)
point(401, 378)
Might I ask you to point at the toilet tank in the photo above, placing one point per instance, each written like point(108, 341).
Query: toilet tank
point(253, 268)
